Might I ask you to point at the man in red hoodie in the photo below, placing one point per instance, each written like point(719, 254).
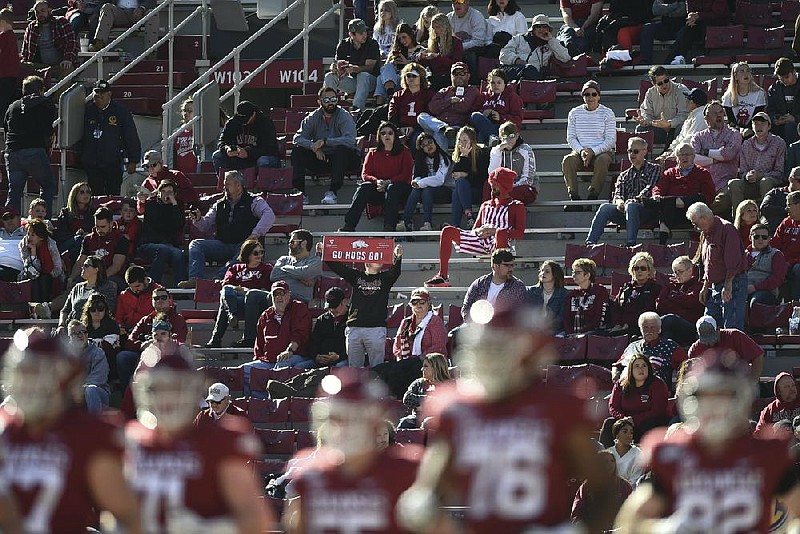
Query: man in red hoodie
point(786, 404)
point(135, 302)
point(500, 219)
point(787, 240)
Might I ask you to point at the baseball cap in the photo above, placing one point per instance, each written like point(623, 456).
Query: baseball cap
point(698, 96)
point(333, 297)
point(245, 109)
point(217, 392)
point(783, 66)
point(9, 210)
point(591, 84)
point(541, 20)
point(356, 26)
point(459, 65)
point(421, 293)
point(762, 116)
point(151, 157)
point(707, 333)
point(280, 285)
point(102, 86)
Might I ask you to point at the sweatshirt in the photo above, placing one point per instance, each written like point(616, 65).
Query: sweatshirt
point(273, 336)
point(673, 183)
point(383, 165)
point(9, 55)
point(370, 293)
point(239, 274)
point(787, 240)
point(29, 123)
point(259, 138)
point(131, 307)
point(458, 114)
point(681, 299)
point(292, 271)
point(339, 130)
point(642, 404)
point(405, 107)
point(779, 408)
point(508, 104)
point(586, 310)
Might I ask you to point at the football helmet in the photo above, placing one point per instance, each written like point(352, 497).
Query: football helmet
point(503, 348)
point(716, 396)
point(168, 394)
point(41, 373)
point(350, 412)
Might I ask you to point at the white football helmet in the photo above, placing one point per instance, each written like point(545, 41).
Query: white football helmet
point(168, 394)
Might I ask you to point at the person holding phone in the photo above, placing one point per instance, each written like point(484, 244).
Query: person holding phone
point(160, 247)
point(451, 107)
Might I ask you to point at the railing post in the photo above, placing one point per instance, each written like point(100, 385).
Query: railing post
point(305, 43)
point(205, 29)
point(237, 77)
point(170, 48)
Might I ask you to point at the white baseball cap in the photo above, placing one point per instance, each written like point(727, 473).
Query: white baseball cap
point(217, 392)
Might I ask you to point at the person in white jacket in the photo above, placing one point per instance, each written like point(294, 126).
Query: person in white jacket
point(513, 153)
point(696, 100)
point(432, 182)
point(527, 55)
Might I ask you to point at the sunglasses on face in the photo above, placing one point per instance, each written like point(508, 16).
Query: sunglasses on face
point(98, 309)
point(633, 151)
point(160, 297)
point(329, 99)
point(662, 82)
point(151, 165)
point(641, 268)
point(215, 402)
point(258, 253)
point(589, 95)
point(760, 236)
point(417, 302)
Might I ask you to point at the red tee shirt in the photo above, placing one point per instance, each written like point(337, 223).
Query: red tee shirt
point(239, 274)
point(183, 146)
point(105, 247)
point(580, 8)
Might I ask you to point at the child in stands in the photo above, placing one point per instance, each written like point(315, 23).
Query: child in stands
point(129, 224)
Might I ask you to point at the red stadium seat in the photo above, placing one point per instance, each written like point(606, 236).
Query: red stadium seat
point(306, 439)
point(288, 211)
point(571, 349)
point(753, 14)
point(233, 377)
point(300, 409)
point(605, 350)
point(266, 411)
point(765, 318)
point(454, 318)
point(277, 442)
point(274, 179)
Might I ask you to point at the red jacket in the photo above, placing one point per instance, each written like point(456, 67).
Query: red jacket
point(441, 64)
point(681, 299)
point(132, 307)
point(787, 240)
point(434, 338)
point(641, 404)
point(508, 104)
point(382, 165)
point(144, 329)
point(9, 56)
point(405, 107)
point(674, 184)
point(273, 337)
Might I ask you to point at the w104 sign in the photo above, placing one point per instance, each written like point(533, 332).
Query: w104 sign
point(358, 249)
point(278, 74)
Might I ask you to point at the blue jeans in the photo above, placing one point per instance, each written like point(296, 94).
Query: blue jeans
point(631, 218)
point(96, 398)
point(436, 128)
point(161, 255)
point(484, 126)
point(388, 74)
point(360, 87)
point(762, 296)
point(730, 314)
point(246, 372)
point(127, 360)
point(223, 161)
point(576, 45)
point(31, 162)
point(231, 301)
point(214, 249)
point(428, 195)
point(663, 31)
point(678, 329)
point(255, 302)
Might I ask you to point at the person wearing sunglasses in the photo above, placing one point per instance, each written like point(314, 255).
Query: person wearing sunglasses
point(767, 267)
point(248, 140)
point(98, 320)
point(785, 240)
point(679, 304)
point(451, 107)
point(93, 273)
point(412, 99)
point(696, 100)
point(636, 296)
point(526, 56)
point(162, 233)
point(96, 391)
point(157, 172)
point(325, 143)
point(773, 207)
point(663, 108)
point(420, 333)
point(220, 406)
point(250, 272)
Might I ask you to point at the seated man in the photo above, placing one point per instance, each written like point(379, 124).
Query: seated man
point(238, 216)
point(727, 340)
point(701, 14)
point(527, 56)
point(107, 243)
point(136, 300)
point(122, 13)
point(282, 335)
point(157, 172)
point(696, 100)
point(355, 67)
point(96, 391)
point(49, 42)
point(666, 355)
point(500, 286)
point(663, 109)
point(586, 307)
point(773, 206)
point(500, 220)
point(11, 233)
point(248, 140)
point(327, 346)
point(785, 406)
point(162, 233)
point(325, 142)
point(451, 107)
point(785, 240)
point(632, 187)
point(767, 267)
point(783, 101)
point(220, 407)
point(760, 163)
point(580, 21)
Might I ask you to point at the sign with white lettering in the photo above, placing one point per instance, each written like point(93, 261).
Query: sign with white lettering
point(278, 74)
point(358, 249)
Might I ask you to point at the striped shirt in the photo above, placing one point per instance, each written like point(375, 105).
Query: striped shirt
point(592, 129)
point(768, 159)
point(635, 182)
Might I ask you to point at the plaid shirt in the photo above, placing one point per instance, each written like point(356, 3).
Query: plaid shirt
point(637, 182)
point(769, 161)
point(63, 39)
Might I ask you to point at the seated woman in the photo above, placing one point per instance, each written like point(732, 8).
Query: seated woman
point(76, 220)
point(747, 214)
point(625, 452)
point(550, 293)
point(679, 304)
point(406, 104)
point(515, 154)
point(768, 267)
point(404, 51)
point(585, 307)
point(422, 332)
point(93, 272)
point(422, 28)
point(500, 103)
point(635, 296)
point(41, 261)
point(642, 396)
point(743, 99)
point(432, 182)
point(434, 372)
point(386, 179)
point(102, 329)
point(443, 49)
point(470, 173)
point(505, 20)
point(251, 272)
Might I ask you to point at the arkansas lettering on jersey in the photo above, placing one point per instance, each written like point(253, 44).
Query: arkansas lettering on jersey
point(508, 459)
point(47, 474)
point(729, 493)
point(332, 502)
point(183, 474)
point(185, 159)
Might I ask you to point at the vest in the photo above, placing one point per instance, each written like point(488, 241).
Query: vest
point(234, 228)
point(762, 268)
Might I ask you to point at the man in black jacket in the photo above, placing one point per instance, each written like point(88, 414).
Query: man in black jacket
point(29, 130)
point(783, 101)
point(159, 245)
point(248, 140)
point(327, 344)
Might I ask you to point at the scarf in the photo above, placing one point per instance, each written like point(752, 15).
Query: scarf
point(43, 253)
point(408, 336)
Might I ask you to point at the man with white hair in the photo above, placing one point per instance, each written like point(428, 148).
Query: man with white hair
point(724, 289)
point(666, 355)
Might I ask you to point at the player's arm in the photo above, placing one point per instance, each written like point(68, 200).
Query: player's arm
point(293, 518)
point(10, 522)
point(418, 507)
point(788, 491)
point(241, 494)
point(641, 511)
point(111, 492)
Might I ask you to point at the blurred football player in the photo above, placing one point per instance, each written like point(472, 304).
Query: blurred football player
point(61, 463)
point(350, 485)
point(714, 476)
point(188, 479)
point(506, 448)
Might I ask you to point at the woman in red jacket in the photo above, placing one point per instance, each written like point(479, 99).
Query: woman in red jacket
point(500, 103)
point(642, 396)
point(422, 332)
point(406, 104)
point(386, 176)
point(443, 49)
point(679, 304)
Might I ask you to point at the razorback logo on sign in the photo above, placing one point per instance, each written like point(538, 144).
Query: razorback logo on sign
point(357, 249)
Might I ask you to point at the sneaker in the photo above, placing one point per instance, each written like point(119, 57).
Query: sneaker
point(306, 200)
point(573, 207)
point(329, 198)
point(426, 227)
point(243, 343)
point(401, 227)
point(213, 344)
point(97, 45)
point(42, 310)
point(187, 284)
point(438, 281)
point(678, 60)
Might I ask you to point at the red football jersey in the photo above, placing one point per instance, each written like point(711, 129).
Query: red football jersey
point(184, 473)
point(509, 462)
point(47, 474)
point(732, 492)
point(333, 502)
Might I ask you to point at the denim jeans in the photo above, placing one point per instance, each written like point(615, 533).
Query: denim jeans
point(730, 314)
point(360, 87)
point(388, 74)
point(428, 195)
point(127, 360)
point(231, 301)
point(255, 302)
point(762, 296)
point(214, 249)
point(484, 126)
point(576, 45)
point(462, 200)
point(631, 218)
point(96, 398)
point(223, 161)
point(436, 128)
point(29, 162)
point(161, 255)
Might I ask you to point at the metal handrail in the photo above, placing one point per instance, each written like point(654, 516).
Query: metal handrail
point(168, 135)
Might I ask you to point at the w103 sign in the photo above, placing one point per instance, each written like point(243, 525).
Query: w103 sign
point(278, 74)
point(358, 249)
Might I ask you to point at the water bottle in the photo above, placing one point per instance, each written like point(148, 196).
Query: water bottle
point(794, 322)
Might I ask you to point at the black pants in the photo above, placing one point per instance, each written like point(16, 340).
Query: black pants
point(104, 180)
point(8, 274)
point(685, 38)
point(9, 92)
point(393, 199)
point(42, 288)
point(337, 164)
point(671, 215)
